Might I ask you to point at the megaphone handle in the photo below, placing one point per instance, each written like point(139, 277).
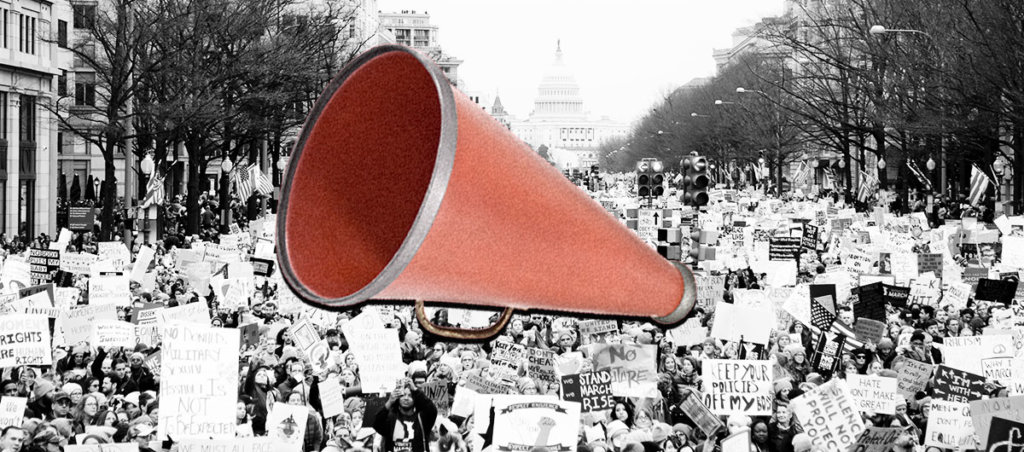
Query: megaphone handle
point(462, 334)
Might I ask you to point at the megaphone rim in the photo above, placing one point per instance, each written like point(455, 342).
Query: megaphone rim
point(429, 207)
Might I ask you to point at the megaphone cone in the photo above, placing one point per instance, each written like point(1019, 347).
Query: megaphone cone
point(404, 189)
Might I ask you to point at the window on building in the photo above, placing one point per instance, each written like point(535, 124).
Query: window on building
point(84, 54)
point(85, 16)
point(85, 89)
point(422, 38)
point(4, 13)
point(294, 24)
point(27, 119)
point(3, 135)
point(403, 36)
point(62, 34)
point(27, 34)
point(62, 84)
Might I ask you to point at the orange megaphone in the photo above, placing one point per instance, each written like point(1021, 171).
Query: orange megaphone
point(401, 188)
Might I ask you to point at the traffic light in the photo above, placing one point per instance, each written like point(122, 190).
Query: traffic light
point(643, 180)
point(700, 180)
point(700, 245)
point(687, 185)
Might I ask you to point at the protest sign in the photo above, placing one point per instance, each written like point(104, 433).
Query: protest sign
point(929, 262)
point(809, 239)
point(784, 248)
point(24, 340)
point(949, 425)
point(81, 218)
point(198, 313)
point(109, 290)
point(870, 302)
point(736, 323)
point(877, 439)
point(379, 357)
point(689, 333)
point(303, 335)
point(332, 397)
point(506, 358)
point(868, 330)
point(522, 422)
point(38, 303)
point(828, 353)
point(912, 376)
point(77, 323)
point(710, 289)
point(737, 442)
point(632, 367)
point(541, 366)
point(111, 447)
point(198, 388)
point(738, 386)
point(240, 444)
point(116, 252)
point(983, 411)
point(829, 416)
point(106, 334)
point(967, 352)
point(694, 408)
point(16, 274)
point(957, 386)
point(44, 265)
point(1005, 435)
point(483, 385)
point(873, 394)
point(896, 295)
point(12, 411)
point(972, 275)
point(956, 295)
point(286, 425)
point(154, 362)
point(142, 262)
point(998, 290)
point(593, 390)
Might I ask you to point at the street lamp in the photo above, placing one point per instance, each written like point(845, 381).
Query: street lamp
point(842, 163)
point(880, 29)
point(881, 163)
point(695, 115)
point(997, 166)
point(760, 161)
point(147, 166)
point(225, 169)
point(742, 90)
point(226, 166)
point(721, 102)
point(930, 164)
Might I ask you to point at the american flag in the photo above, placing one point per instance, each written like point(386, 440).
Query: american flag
point(912, 165)
point(154, 192)
point(979, 184)
point(868, 185)
point(263, 183)
point(823, 312)
point(244, 182)
point(830, 178)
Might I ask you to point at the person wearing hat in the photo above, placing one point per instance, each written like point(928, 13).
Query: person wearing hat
point(797, 365)
point(782, 430)
point(141, 377)
point(61, 405)
point(616, 432)
point(142, 434)
point(407, 419)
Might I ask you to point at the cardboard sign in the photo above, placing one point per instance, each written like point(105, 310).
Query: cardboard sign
point(77, 323)
point(873, 394)
point(912, 376)
point(967, 352)
point(829, 416)
point(506, 358)
point(116, 252)
point(197, 313)
point(198, 391)
point(868, 330)
point(700, 414)
point(710, 289)
point(522, 422)
point(877, 439)
point(738, 386)
point(929, 262)
point(983, 412)
point(957, 386)
point(633, 368)
point(1005, 435)
point(956, 294)
point(12, 411)
point(379, 356)
point(689, 333)
point(25, 340)
point(240, 444)
point(949, 425)
point(483, 385)
point(332, 397)
point(540, 366)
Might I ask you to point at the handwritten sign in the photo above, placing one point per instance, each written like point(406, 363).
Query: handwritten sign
point(247, 444)
point(506, 358)
point(710, 289)
point(523, 422)
point(749, 324)
point(873, 394)
point(632, 367)
point(738, 386)
point(982, 412)
point(949, 425)
point(198, 313)
point(109, 290)
point(868, 330)
point(12, 411)
point(106, 334)
point(957, 386)
point(25, 340)
point(877, 439)
point(379, 357)
point(286, 425)
point(540, 366)
point(77, 323)
point(198, 391)
point(829, 416)
point(912, 376)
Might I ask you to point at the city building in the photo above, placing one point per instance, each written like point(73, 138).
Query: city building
point(560, 123)
point(33, 56)
point(413, 29)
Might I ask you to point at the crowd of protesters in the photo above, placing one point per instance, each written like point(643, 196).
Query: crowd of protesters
point(101, 396)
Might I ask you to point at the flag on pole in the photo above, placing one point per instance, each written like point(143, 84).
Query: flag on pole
point(823, 312)
point(921, 177)
point(755, 173)
point(154, 192)
point(867, 187)
point(263, 183)
point(244, 181)
point(830, 178)
point(979, 185)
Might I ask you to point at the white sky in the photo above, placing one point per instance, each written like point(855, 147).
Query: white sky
point(626, 54)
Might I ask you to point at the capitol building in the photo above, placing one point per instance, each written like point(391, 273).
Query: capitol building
point(561, 124)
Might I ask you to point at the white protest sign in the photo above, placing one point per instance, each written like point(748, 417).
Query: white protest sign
point(106, 334)
point(949, 425)
point(142, 261)
point(199, 379)
point(379, 357)
point(829, 416)
point(16, 274)
point(110, 447)
point(798, 305)
point(248, 444)
point(710, 289)
point(966, 353)
point(12, 411)
point(286, 424)
point(689, 333)
point(904, 266)
point(633, 369)
point(738, 386)
point(1013, 251)
point(956, 294)
point(116, 252)
point(78, 263)
point(735, 323)
point(873, 394)
point(522, 422)
point(24, 340)
point(198, 274)
point(198, 313)
point(37, 303)
point(877, 439)
point(332, 397)
point(77, 323)
point(109, 290)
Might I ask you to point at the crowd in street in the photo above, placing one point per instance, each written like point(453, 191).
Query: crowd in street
point(93, 394)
